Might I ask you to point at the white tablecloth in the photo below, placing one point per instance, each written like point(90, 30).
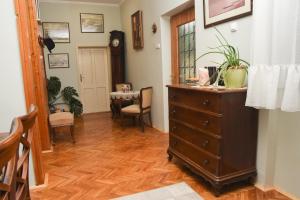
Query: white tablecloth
point(125, 95)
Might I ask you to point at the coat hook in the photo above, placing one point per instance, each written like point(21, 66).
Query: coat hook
point(154, 28)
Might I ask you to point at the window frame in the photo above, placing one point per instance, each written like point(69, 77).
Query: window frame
point(177, 20)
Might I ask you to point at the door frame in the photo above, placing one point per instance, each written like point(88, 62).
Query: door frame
point(177, 20)
point(108, 70)
point(34, 80)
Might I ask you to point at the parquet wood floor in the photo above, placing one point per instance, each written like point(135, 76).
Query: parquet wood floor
point(108, 162)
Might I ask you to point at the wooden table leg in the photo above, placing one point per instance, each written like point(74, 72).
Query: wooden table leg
point(72, 133)
point(53, 136)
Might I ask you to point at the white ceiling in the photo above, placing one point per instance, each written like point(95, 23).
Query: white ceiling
point(88, 1)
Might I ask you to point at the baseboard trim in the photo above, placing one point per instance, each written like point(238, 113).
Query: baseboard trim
point(42, 186)
point(48, 151)
point(273, 188)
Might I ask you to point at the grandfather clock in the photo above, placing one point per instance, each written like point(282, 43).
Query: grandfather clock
point(117, 48)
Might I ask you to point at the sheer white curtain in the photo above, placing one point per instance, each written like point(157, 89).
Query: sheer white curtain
point(271, 48)
point(274, 79)
point(275, 32)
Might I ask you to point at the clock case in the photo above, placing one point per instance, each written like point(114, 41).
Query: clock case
point(117, 58)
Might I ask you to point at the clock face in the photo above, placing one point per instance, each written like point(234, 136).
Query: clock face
point(115, 42)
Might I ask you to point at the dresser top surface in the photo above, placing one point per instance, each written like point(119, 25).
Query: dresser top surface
point(208, 89)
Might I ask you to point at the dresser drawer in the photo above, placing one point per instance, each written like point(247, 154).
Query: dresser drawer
point(203, 101)
point(200, 120)
point(201, 159)
point(199, 139)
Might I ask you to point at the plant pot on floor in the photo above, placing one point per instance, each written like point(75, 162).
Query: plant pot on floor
point(235, 78)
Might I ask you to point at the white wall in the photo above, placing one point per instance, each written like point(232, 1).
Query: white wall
point(70, 12)
point(145, 67)
point(206, 37)
point(12, 101)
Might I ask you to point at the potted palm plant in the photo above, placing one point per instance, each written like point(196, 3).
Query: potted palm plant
point(68, 96)
point(233, 69)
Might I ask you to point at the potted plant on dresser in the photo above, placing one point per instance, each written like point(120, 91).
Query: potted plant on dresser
point(233, 70)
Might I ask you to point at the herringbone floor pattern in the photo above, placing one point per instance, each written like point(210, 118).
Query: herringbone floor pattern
point(108, 162)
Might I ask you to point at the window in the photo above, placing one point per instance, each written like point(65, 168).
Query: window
point(186, 50)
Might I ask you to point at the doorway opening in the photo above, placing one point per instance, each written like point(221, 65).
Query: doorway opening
point(183, 45)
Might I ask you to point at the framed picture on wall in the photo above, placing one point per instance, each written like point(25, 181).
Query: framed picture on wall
point(137, 30)
point(58, 60)
point(221, 11)
point(59, 32)
point(91, 23)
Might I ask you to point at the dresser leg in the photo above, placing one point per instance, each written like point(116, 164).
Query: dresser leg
point(217, 189)
point(170, 156)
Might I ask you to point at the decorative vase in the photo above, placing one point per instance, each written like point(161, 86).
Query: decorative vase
point(235, 77)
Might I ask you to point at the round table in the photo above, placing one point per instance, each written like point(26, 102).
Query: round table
point(125, 95)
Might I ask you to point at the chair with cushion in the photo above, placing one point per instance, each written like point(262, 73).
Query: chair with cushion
point(28, 122)
point(141, 109)
point(59, 120)
point(117, 104)
point(8, 161)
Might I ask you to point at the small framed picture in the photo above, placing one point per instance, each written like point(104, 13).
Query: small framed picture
point(137, 30)
point(221, 11)
point(59, 32)
point(91, 23)
point(58, 60)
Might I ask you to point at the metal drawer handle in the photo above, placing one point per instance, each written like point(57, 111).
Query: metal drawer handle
point(174, 112)
point(206, 102)
point(205, 143)
point(205, 123)
point(205, 162)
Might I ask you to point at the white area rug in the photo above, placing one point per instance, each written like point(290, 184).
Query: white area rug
point(180, 191)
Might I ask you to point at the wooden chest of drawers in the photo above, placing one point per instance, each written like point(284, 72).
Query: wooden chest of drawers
point(213, 133)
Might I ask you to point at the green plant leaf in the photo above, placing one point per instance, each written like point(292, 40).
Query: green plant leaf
point(53, 87)
point(75, 107)
point(231, 55)
point(68, 93)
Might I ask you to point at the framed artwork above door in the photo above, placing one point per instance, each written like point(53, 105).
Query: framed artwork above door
point(91, 23)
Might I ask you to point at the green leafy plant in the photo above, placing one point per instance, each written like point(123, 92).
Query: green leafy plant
point(231, 56)
point(69, 96)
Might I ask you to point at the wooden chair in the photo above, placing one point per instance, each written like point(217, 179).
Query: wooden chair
point(141, 109)
point(117, 104)
point(28, 122)
point(9, 148)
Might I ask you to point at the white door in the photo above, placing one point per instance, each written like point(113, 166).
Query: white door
point(93, 69)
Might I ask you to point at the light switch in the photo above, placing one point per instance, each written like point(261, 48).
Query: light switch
point(157, 46)
point(234, 27)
